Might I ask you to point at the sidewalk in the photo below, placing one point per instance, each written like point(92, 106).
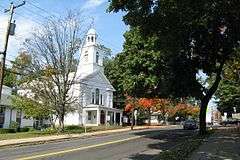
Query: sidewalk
point(224, 144)
point(44, 139)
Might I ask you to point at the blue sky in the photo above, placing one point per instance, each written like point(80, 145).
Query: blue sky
point(108, 25)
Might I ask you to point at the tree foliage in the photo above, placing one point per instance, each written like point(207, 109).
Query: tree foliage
point(192, 36)
point(31, 108)
point(53, 50)
point(228, 93)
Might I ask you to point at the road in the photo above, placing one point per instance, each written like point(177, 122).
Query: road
point(132, 145)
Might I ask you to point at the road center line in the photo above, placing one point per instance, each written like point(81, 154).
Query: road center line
point(77, 149)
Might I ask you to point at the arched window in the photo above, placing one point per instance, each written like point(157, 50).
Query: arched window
point(97, 96)
point(88, 39)
point(93, 99)
point(101, 99)
point(97, 57)
point(86, 56)
point(92, 38)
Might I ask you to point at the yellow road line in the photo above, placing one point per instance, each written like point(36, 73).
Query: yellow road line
point(77, 149)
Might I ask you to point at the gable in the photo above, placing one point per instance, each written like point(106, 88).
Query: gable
point(97, 79)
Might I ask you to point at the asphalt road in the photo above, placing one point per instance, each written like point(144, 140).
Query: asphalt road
point(133, 145)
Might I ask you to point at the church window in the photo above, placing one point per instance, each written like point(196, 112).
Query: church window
point(97, 96)
point(92, 39)
point(88, 39)
point(97, 57)
point(93, 97)
point(101, 99)
point(86, 56)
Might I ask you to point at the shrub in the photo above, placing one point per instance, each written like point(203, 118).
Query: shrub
point(24, 129)
point(72, 127)
point(49, 131)
point(7, 130)
point(14, 125)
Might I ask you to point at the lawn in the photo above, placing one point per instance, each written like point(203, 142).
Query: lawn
point(48, 132)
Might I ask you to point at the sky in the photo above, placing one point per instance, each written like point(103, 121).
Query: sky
point(109, 26)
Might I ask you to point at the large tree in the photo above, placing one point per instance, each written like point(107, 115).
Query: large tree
point(54, 48)
point(192, 36)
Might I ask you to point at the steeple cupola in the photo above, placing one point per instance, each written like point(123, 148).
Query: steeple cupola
point(91, 38)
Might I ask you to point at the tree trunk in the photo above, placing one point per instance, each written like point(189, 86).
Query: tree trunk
point(149, 117)
point(206, 98)
point(61, 123)
point(132, 120)
point(202, 116)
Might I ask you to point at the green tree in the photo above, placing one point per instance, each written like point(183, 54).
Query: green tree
point(193, 36)
point(228, 93)
point(10, 77)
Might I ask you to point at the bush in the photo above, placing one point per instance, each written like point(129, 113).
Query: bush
point(24, 129)
point(72, 127)
point(49, 131)
point(14, 125)
point(7, 130)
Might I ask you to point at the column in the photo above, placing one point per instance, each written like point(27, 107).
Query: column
point(98, 116)
point(121, 118)
point(114, 118)
point(106, 115)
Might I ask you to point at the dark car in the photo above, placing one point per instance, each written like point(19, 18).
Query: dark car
point(190, 124)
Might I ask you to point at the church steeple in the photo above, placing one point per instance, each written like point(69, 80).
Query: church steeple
point(91, 58)
point(91, 38)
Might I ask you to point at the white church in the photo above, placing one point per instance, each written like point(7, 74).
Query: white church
point(92, 89)
point(96, 92)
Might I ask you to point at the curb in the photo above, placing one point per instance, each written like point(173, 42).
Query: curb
point(58, 138)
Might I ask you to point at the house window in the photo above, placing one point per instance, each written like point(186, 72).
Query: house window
point(2, 116)
point(101, 99)
point(97, 57)
point(97, 96)
point(93, 98)
point(89, 116)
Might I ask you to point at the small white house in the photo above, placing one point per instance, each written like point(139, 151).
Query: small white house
point(93, 89)
point(8, 114)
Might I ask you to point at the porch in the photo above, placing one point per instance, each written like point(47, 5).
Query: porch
point(99, 115)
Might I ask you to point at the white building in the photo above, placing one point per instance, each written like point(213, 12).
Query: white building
point(8, 114)
point(93, 89)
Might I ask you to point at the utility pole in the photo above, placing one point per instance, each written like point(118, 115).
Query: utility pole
point(8, 33)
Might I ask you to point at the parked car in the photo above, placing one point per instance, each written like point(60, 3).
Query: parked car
point(190, 124)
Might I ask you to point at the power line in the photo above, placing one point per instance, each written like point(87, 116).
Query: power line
point(47, 12)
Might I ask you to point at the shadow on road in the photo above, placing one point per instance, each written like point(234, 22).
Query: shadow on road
point(163, 140)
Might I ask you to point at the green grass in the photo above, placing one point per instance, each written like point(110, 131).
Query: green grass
point(48, 132)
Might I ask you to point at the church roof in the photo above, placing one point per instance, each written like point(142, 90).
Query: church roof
point(92, 31)
point(104, 81)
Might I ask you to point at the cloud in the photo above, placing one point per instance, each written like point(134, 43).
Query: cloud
point(24, 28)
point(91, 4)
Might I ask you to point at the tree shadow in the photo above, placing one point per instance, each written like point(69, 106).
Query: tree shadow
point(221, 146)
point(161, 141)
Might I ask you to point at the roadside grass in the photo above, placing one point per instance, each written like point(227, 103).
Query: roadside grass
point(184, 149)
point(50, 131)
